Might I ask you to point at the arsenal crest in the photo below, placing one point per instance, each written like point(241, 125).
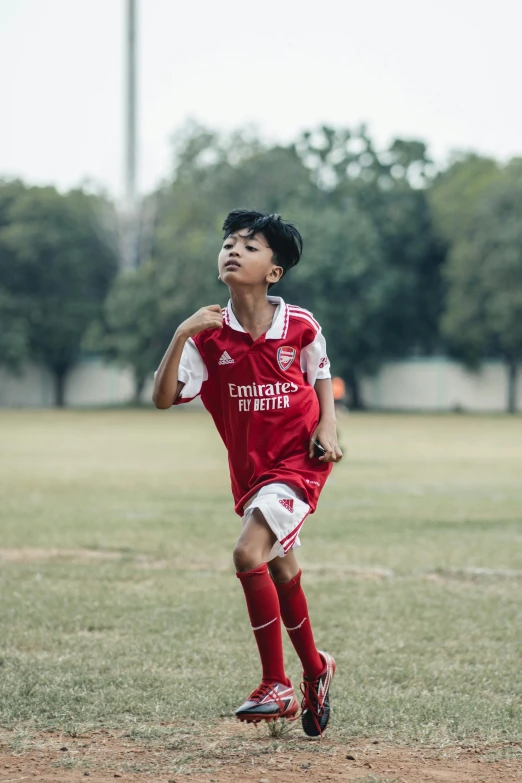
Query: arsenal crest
point(285, 356)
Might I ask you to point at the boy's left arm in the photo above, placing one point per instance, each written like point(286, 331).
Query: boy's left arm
point(326, 431)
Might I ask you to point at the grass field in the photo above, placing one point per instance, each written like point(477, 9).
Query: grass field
point(119, 609)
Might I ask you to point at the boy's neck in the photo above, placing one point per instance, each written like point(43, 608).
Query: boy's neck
point(253, 310)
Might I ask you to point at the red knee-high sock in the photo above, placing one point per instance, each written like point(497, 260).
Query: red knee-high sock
point(265, 617)
point(294, 611)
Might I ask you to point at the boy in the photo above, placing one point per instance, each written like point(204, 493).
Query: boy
point(261, 368)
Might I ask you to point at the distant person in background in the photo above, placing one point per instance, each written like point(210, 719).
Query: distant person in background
point(262, 370)
point(339, 393)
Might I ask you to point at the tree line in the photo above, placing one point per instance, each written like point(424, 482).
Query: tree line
point(399, 259)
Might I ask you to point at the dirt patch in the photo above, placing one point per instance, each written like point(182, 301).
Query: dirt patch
point(135, 559)
point(348, 571)
point(146, 561)
point(314, 571)
point(473, 574)
point(233, 753)
point(28, 555)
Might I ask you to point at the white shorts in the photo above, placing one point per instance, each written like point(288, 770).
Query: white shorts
point(284, 511)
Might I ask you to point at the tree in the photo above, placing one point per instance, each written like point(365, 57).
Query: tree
point(484, 276)
point(414, 254)
point(214, 174)
point(9, 192)
point(13, 333)
point(386, 191)
point(57, 265)
point(343, 279)
point(457, 191)
point(132, 331)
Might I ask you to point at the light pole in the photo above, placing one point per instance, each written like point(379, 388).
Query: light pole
point(130, 212)
point(130, 156)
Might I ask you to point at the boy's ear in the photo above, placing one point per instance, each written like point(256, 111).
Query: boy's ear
point(275, 274)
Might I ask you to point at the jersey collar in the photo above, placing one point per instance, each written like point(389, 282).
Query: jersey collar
point(279, 322)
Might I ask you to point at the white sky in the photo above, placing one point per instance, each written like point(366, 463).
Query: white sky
point(447, 71)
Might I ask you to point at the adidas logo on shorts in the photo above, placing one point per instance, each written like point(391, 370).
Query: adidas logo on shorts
point(226, 358)
point(288, 504)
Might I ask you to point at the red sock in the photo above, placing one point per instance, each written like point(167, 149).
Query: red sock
point(294, 611)
point(265, 618)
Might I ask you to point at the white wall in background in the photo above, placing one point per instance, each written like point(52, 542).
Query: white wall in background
point(439, 384)
point(418, 384)
point(91, 382)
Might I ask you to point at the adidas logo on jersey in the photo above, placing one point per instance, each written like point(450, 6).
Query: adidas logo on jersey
point(288, 504)
point(226, 358)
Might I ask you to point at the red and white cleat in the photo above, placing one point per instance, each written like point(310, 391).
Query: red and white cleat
point(269, 701)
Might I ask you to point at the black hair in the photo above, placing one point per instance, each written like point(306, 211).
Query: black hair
point(283, 237)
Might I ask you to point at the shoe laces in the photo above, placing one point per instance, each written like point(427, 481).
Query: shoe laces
point(311, 701)
point(265, 689)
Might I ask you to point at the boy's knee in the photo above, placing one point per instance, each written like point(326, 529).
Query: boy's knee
point(284, 569)
point(282, 573)
point(245, 556)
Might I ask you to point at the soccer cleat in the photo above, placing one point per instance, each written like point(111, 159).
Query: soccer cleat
point(315, 707)
point(269, 701)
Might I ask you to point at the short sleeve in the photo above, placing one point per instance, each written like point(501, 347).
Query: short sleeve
point(314, 360)
point(192, 372)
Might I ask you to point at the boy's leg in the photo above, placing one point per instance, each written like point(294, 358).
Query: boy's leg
point(286, 574)
point(250, 556)
point(319, 668)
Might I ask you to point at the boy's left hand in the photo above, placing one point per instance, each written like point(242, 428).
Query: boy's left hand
point(326, 434)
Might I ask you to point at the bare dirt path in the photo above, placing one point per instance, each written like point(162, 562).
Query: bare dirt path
point(235, 754)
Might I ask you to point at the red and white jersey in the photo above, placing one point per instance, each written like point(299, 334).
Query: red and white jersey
point(262, 399)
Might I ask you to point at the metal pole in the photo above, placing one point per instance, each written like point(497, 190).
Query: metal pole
point(130, 219)
point(130, 175)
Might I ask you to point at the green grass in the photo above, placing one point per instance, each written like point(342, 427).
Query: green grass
point(119, 606)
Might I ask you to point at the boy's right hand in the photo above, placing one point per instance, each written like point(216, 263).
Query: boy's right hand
point(209, 317)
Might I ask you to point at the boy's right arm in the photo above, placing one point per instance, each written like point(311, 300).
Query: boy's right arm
point(167, 387)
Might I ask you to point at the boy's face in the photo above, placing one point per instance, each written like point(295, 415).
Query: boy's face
point(245, 260)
